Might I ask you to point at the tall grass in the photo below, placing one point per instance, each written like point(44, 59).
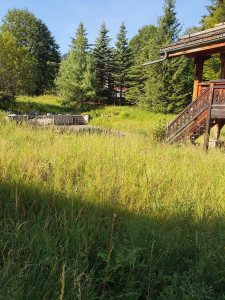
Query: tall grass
point(90, 216)
point(42, 104)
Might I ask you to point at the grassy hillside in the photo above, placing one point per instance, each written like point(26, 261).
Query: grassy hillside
point(90, 216)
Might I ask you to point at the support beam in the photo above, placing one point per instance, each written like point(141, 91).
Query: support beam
point(217, 129)
point(218, 126)
point(199, 62)
point(222, 72)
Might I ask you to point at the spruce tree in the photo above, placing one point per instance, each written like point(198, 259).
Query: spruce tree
point(76, 78)
point(103, 63)
point(122, 62)
point(137, 75)
point(169, 84)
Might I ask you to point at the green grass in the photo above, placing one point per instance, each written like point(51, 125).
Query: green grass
point(90, 216)
point(43, 104)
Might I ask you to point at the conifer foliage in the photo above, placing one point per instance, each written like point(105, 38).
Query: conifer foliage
point(170, 89)
point(141, 45)
point(76, 79)
point(105, 74)
point(216, 14)
point(103, 63)
point(122, 63)
point(166, 86)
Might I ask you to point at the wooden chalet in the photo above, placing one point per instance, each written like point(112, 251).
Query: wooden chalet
point(207, 109)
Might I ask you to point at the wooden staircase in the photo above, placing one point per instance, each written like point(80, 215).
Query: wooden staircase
point(207, 110)
point(79, 120)
point(68, 119)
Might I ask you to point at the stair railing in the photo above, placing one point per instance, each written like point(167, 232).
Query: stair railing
point(189, 114)
point(219, 94)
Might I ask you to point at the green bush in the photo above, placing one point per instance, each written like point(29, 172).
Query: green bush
point(159, 130)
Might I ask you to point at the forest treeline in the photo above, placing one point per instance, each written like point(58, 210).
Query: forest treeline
point(30, 62)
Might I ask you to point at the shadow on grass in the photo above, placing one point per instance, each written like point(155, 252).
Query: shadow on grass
point(43, 108)
point(26, 107)
point(52, 244)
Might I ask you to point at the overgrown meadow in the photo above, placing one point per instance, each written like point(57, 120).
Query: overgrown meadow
point(109, 216)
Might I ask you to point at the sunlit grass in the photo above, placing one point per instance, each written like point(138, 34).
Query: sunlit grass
point(72, 204)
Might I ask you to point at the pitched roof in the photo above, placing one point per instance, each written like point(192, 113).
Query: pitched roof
point(198, 40)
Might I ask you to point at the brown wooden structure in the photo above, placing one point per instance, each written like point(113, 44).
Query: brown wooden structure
point(208, 106)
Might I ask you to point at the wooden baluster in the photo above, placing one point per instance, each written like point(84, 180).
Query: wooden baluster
point(222, 76)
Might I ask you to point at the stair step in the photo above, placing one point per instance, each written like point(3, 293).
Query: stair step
point(69, 120)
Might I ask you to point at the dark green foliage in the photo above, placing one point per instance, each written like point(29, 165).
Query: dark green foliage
point(103, 63)
point(168, 25)
point(167, 86)
point(76, 79)
point(122, 63)
point(17, 69)
point(212, 69)
point(159, 130)
point(164, 87)
point(140, 39)
point(139, 46)
point(216, 14)
point(33, 33)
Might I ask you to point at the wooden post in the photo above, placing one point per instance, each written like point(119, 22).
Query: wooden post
point(222, 72)
point(199, 62)
point(208, 120)
point(217, 129)
point(218, 126)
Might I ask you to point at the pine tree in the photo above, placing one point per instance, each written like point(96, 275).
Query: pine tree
point(122, 62)
point(137, 75)
point(76, 78)
point(168, 25)
point(103, 63)
point(168, 88)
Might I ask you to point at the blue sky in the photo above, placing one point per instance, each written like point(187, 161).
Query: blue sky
point(63, 17)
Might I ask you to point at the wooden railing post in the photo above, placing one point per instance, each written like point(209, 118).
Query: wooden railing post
point(208, 120)
point(218, 127)
point(189, 114)
point(199, 62)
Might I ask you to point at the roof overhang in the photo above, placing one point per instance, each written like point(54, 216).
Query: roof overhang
point(218, 46)
point(207, 42)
